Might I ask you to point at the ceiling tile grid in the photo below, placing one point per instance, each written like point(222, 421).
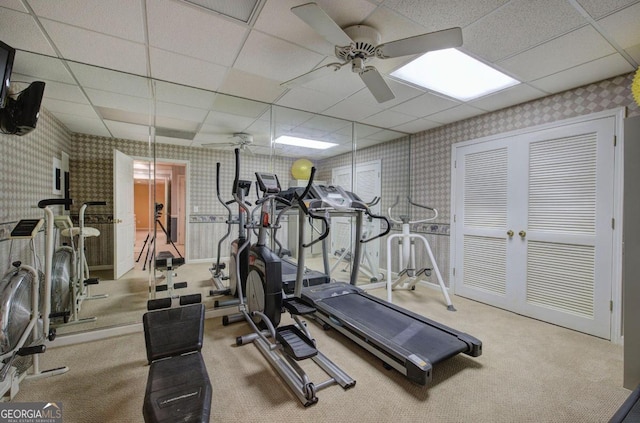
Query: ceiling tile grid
point(551, 46)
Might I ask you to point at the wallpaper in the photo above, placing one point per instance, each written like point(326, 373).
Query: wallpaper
point(27, 175)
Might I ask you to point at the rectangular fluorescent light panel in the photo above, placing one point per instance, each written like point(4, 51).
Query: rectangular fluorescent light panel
point(455, 74)
point(303, 142)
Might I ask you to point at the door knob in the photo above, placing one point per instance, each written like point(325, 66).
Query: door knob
point(522, 234)
point(510, 233)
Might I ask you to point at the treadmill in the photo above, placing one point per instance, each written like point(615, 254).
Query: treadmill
point(403, 340)
point(269, 182)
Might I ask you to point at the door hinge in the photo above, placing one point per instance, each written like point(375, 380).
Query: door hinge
point(613, 223)
point(454, 218)
point(615, 140)
point(454, 271)
point(611, 305)
point(455, 164)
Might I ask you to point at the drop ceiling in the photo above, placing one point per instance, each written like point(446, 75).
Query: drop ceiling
point(217, 65)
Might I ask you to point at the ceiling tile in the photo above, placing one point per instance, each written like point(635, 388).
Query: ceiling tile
point(186, 70)
point(356, 107)
point(97, 16)
point(41, 67)
point(109, 80)
point(340, 83)
point(444, 14)
point(579, 46)
point(119, 101)
point(128, 131)
point(97, 49)
point(290, 27)
point(187, 96)
point(13, 4)
point(218, 122)
point(59, 91)
point(20, 31)
point(393, 26)
point(250, 85)
point(623, 26)
point(325, 124)
point(597, 70)
point(519, 25)
point(240, 106)
point(70, 108)
point(302, 98)
point(417, 125)
point(460, 112)
point(82, 125)
point(388, 119)
point(424, 105)
point(179, 111)
point(508, 97)
point(599, 8)
point(274, 58)
point(191, 31)
point(634, 52)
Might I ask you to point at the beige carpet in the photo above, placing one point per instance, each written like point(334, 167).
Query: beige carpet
point(530, 371)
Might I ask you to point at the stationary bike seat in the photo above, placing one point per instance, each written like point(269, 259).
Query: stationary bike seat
point(87, 231)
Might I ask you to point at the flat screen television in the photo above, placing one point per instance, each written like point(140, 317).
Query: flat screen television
point(7, 54)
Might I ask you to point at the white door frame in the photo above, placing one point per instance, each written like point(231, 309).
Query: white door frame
point(616, 271)
point(187, 165)
point(123, 240)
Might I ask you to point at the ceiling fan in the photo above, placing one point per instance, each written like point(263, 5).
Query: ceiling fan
point(357, 44)
point(242, 141)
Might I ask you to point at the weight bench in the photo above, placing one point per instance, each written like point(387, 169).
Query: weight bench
point(178, 386)
point(167, 262)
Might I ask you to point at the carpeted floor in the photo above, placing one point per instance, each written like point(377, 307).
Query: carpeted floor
point(530, 371)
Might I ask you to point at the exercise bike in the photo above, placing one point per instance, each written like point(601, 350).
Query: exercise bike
point(283, 346)
point(409, 276)
point(71, 279)
point(24, 310)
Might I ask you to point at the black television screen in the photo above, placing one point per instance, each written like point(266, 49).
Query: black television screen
point(7, 54)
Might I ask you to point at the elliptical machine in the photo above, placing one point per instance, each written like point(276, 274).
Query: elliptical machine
point(283, 346)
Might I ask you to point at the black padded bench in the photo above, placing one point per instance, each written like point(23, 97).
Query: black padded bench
point(178, 386)
point(165, 260)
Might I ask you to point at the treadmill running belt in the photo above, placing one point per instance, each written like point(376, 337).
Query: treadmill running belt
point(413, 335)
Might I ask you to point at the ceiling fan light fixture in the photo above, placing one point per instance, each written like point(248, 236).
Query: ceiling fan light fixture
point(454, 74)
point(304, 142)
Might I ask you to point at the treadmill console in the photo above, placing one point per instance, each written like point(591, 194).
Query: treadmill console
point(268, 182)
point(333, 196)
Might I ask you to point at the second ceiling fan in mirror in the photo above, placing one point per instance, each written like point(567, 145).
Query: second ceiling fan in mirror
point(357, 44)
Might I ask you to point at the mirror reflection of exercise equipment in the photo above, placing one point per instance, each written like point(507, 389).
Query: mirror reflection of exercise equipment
point(71, 280)
point(164, 261)
point(408, 275)
point(24, 309)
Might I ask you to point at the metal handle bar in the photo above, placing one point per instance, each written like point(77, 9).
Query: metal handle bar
point(435, 212)
point(324, 234)
point(55, 202)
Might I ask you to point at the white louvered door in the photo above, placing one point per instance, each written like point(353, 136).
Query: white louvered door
point(533, 224)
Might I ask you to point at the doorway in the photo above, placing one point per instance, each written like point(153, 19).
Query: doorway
point(160, 192)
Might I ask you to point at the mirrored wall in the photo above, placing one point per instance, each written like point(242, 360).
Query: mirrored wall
point(161, 156)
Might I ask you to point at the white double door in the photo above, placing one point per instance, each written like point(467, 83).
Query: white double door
point(533, 224)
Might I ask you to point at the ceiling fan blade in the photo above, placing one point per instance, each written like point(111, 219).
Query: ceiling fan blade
point(438, 40)
point(311, 75)
point(322, 23)
point(376, 84)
